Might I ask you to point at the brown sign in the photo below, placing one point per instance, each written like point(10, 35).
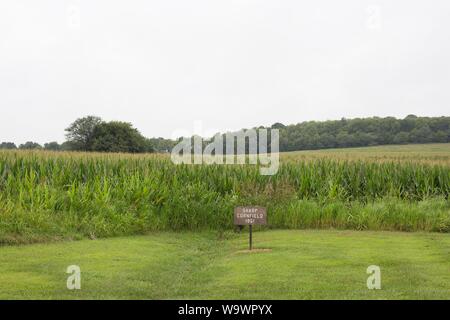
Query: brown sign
point(250, 215)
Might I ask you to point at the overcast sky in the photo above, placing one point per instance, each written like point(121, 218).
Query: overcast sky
point(229, 63)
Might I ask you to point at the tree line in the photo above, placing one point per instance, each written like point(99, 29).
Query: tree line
point(361, 132)
point(93, 134)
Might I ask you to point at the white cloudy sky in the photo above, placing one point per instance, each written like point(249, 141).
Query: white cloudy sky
point(229, 63)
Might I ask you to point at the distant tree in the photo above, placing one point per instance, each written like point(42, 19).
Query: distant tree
point(363, 139)
point(161, 144)
point(30, 145)
point(8, 145)
point(116, 136)
point(92, 134)
point(401, 138)
point(441, 136)
point(344, 139)
point(363, 132)
point(421, 134)
point(278, 125)
point(53, 146)
point(328, 140)
point(67, 146)
point(149, 146)
point(80, 133)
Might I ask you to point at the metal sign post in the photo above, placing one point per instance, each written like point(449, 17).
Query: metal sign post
point(250, 237)
point(250, 216)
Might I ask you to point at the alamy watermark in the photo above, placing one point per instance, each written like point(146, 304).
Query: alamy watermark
point(252, 146)
point(73, 15)
point(374, 18)
point(74, 280)
point(374, 280)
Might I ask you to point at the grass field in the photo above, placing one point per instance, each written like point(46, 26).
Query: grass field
point(206, 265)
point(432, 153)
point(49, 196)
point(341, 194)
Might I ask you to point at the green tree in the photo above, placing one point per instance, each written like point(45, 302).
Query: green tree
point(80, 133)
point(160, 144)
point(440, 136)
point(8, 145)
point(53, 146)
point(401, 138)
point(30, 145)
point(278, 125)
point(422, 134)
point(363, 132)
point(116, 136)
point(67, 146)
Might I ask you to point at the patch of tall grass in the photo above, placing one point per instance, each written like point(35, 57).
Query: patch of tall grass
point(50, 195)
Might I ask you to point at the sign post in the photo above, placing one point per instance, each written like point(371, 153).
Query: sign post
point(250, 237)
point(250, 216)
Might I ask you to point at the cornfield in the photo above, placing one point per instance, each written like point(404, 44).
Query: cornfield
point(67, 195)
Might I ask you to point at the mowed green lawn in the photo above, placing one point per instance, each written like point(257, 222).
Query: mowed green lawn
point(301, 265)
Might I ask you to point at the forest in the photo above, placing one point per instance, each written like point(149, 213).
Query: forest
point(93, 134)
